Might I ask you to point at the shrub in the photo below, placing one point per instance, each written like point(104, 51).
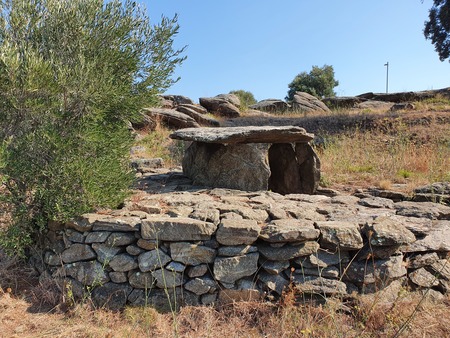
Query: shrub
point(72, 73)
point(247, 98)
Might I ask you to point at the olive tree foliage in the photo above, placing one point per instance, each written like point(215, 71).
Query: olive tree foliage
point(437, 28)
point(319, 82)
point(72, 74)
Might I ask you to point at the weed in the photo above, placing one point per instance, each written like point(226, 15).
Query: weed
point(362, 169)
point(385, 184)
point(324, 181)
point(404, 173)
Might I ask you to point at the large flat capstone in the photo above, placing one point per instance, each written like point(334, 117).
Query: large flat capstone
point(252, 134)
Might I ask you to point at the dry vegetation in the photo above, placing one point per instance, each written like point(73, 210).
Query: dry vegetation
point(399, 154)
point(40, 311)
point(395, 149)
point(157, 143)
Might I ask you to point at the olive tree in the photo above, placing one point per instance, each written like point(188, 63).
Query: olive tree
point(72, 74)
point(319, 82)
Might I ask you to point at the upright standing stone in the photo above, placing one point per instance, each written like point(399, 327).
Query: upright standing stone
point(223, 166)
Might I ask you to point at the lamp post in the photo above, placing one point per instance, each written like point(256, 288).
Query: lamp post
point(387, 76)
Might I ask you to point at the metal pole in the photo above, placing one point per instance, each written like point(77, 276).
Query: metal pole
point(387, 76)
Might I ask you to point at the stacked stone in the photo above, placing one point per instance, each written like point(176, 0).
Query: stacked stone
point(221, 245)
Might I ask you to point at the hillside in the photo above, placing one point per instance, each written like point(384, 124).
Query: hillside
point(359, 149)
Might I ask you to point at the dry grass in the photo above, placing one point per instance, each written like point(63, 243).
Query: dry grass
point(438, 103)
point(157, 143)
point(410, 315)
point(401, 154)
point(38, 310)
point(407, 316)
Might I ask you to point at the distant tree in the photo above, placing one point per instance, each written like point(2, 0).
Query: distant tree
point(319, 82)
point(437, 28)
point(246, 97)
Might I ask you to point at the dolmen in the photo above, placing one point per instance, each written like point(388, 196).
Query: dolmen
point(252, 158)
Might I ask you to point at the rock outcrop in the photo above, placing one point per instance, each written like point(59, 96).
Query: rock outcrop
point(177, 112)
point(172, 101)
point(270, 106)
point(171, 118)
point(221, 105)
point(306, 103)
point(302, 102)
point(198, 113)
point(371, 100)
point(343, 101)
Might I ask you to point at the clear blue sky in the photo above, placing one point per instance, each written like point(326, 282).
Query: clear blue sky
point(261, 45)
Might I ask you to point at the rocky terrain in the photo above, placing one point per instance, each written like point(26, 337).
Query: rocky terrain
point(225, 110)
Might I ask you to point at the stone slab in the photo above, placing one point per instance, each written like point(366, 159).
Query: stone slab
point(251, 134)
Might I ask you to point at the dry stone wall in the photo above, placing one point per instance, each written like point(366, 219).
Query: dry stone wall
point(204, 246)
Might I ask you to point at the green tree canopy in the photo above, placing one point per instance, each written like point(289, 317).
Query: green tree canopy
point(319, 82)
point(72, 73)
point(247, 98)
point(437, 28)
